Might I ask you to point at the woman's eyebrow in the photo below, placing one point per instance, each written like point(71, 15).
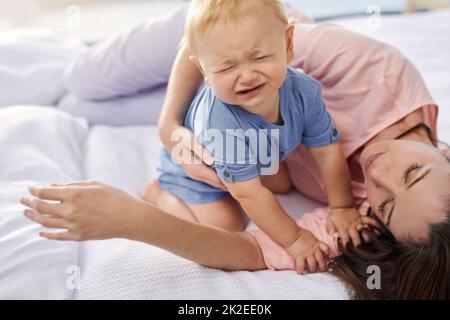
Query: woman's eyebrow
point(419, 178)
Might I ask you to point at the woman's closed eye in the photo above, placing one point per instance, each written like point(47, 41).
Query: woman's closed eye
point(382, 208)
point(410, 170)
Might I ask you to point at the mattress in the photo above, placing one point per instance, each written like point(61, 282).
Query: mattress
point(39, 144)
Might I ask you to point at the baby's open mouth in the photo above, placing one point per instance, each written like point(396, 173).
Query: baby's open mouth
point(250, 90)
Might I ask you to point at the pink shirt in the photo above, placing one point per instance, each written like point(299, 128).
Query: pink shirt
point(368, 86)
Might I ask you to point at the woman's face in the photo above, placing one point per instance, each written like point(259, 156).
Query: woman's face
point(408, 185)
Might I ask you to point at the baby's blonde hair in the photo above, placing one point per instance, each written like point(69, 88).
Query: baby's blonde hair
point(204, 14)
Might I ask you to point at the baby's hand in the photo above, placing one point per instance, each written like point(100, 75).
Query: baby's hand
point(348, 222)
point(309, 252)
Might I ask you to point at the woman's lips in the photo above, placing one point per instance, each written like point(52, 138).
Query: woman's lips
point(370, 160)
point(250, 93)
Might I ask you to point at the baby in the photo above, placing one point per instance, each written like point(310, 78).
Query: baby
point(253, 112)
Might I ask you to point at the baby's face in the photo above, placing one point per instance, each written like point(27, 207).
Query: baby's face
point(245, 63)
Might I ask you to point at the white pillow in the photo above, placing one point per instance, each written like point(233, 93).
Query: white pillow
point(139, 109)
point(128, 63)
point(32, 63)
point(39, 146)
point(136, 60)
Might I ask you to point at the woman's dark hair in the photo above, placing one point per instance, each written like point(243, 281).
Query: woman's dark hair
point(408, 269)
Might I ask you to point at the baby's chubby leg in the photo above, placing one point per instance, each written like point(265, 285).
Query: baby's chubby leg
point(280, 182)
point(167, 202)
point(224, 213)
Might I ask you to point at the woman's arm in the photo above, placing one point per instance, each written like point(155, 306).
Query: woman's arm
point(185, 79)
point(209, 246)
point(93, 211)
point(184, 82)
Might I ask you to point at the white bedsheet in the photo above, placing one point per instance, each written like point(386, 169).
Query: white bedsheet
point(45, 145)
point(37, 145)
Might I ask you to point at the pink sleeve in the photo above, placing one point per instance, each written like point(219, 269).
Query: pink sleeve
point(276, 258)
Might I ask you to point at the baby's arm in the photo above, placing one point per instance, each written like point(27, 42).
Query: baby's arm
point(344, 217)
point(265, 210)
point(280, 182)
point(335, 175)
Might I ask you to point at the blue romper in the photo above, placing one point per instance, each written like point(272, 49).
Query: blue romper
point(245, 145)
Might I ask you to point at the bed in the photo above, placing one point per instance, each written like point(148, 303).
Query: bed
point(42, 143)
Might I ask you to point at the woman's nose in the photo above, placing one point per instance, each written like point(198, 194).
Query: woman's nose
point(383, 179)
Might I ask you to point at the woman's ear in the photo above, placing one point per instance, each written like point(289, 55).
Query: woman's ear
point(446, 153)
point(290, 43)
point(196, 62)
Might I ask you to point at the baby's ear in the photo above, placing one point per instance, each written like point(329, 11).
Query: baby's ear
point(196, 62)
point(290, 43)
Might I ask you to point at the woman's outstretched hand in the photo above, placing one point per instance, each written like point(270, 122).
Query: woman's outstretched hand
point(87, 210)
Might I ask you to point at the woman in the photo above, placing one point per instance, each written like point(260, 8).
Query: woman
point(388, 126)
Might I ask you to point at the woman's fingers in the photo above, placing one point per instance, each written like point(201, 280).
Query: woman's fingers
point(371, 221)
point(205, 174)
point(45, 221)
point(366, 236)
point(200, 169)
point(61, 236)
point(345, 238)
point(75, 183)
point(43, 207)
point(321, 260)
point(191, 144)
point(201, 152)
point(331, 229)
point(50, 193)
point(354, 235)
point(212, 178)
point(324, 248)
point(312, 263)
point(300, 265)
